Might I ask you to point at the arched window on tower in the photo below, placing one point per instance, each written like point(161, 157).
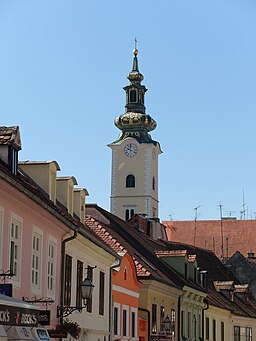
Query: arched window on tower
point(129, 214)
point(153, 183)
point(133, 96)
point(130, 181)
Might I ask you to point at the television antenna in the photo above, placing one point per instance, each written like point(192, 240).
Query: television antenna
point(196, 216)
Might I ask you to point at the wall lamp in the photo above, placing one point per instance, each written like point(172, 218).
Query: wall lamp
point(167, 323)
point(86, 293)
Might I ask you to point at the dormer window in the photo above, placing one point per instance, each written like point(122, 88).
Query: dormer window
point(13, 159)
point(133, 96)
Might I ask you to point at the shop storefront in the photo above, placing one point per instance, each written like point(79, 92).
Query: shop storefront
point(19, 321)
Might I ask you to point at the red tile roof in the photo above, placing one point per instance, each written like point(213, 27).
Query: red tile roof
point(10, 135)
point(236, 235)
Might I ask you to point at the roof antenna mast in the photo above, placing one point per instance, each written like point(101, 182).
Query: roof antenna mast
point(195, 209)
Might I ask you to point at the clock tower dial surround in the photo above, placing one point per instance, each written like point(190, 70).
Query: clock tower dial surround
point(134, 179)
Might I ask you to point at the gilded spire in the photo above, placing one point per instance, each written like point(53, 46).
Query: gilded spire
point(135, 122)
point(135, 77)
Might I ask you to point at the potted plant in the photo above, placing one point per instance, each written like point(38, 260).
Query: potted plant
point(71, 327)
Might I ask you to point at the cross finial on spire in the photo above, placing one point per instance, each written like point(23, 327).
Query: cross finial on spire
point(135, 43)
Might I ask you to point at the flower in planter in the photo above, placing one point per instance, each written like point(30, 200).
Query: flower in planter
point(71, 327)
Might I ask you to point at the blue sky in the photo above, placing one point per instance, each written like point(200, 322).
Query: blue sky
point(63, 64)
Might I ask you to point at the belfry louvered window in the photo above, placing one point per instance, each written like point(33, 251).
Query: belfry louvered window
point(130, 181)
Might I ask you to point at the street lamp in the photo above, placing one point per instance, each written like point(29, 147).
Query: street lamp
point(86, 292)
point(167, 324)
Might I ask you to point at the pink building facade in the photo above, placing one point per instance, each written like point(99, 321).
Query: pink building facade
point(30, 239)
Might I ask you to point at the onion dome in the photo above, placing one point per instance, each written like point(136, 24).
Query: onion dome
point(135, 122)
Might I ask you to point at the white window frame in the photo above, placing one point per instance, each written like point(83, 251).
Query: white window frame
point(1, 234)
point(17, 240)
point(135, 311)
point(126, 308)
point(117, 336)
point(36, 259)
point(51, 265)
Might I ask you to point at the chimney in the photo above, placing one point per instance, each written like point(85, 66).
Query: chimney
point(44, 173)
point(10, 144)
point(65, 192)
point(80, 195)
point(250, 255)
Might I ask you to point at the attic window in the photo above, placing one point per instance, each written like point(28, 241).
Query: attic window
point(125, 274)
point(13, 160)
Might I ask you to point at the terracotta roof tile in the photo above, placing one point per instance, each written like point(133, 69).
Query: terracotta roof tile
point(10, 136)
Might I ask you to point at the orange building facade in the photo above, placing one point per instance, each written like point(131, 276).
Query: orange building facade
point(126, 302)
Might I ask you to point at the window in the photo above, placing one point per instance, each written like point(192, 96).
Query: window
point(214, 330)
point(173, 320)
point(36, 260)
point(116, 320)
point(13, 160)
point(154, 318)
point(222, 332)
point(1, 234)
point(79, 280)
point(133, 325)
point(15, 248)
point(133, 96)
point(161, 315)
point(185, 270)
point(125, 315)
point(68, 276)
point(189, 324)
point(89, 301)
point(248, 334)
point(236, 333)
point(182, 329)
point(153, 183)
point(129, 213)
point(51, 268)
point(200, 326)
point(101, 293)
point(194, 326)
point(130, 181)
point(207, 328)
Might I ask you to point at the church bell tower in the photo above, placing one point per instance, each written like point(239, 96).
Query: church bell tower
point(134, 183)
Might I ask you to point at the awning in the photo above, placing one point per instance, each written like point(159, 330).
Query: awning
point(19, 333)
point(3, 336)
point(15, 312)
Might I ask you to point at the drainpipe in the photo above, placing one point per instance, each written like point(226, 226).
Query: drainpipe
point(148, 312)
point(62, 275)
point(116, 265)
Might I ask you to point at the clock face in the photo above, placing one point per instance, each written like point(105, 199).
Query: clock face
point(130, 149)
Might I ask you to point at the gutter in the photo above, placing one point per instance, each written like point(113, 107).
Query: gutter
point(111, 296)
point(62, 274)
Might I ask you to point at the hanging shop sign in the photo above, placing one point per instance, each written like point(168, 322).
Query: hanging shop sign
point(44, 317)
point(16, 316)
point(6, 289)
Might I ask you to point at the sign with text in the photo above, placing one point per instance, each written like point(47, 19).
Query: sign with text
point(16, 316)
point(44, 317)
